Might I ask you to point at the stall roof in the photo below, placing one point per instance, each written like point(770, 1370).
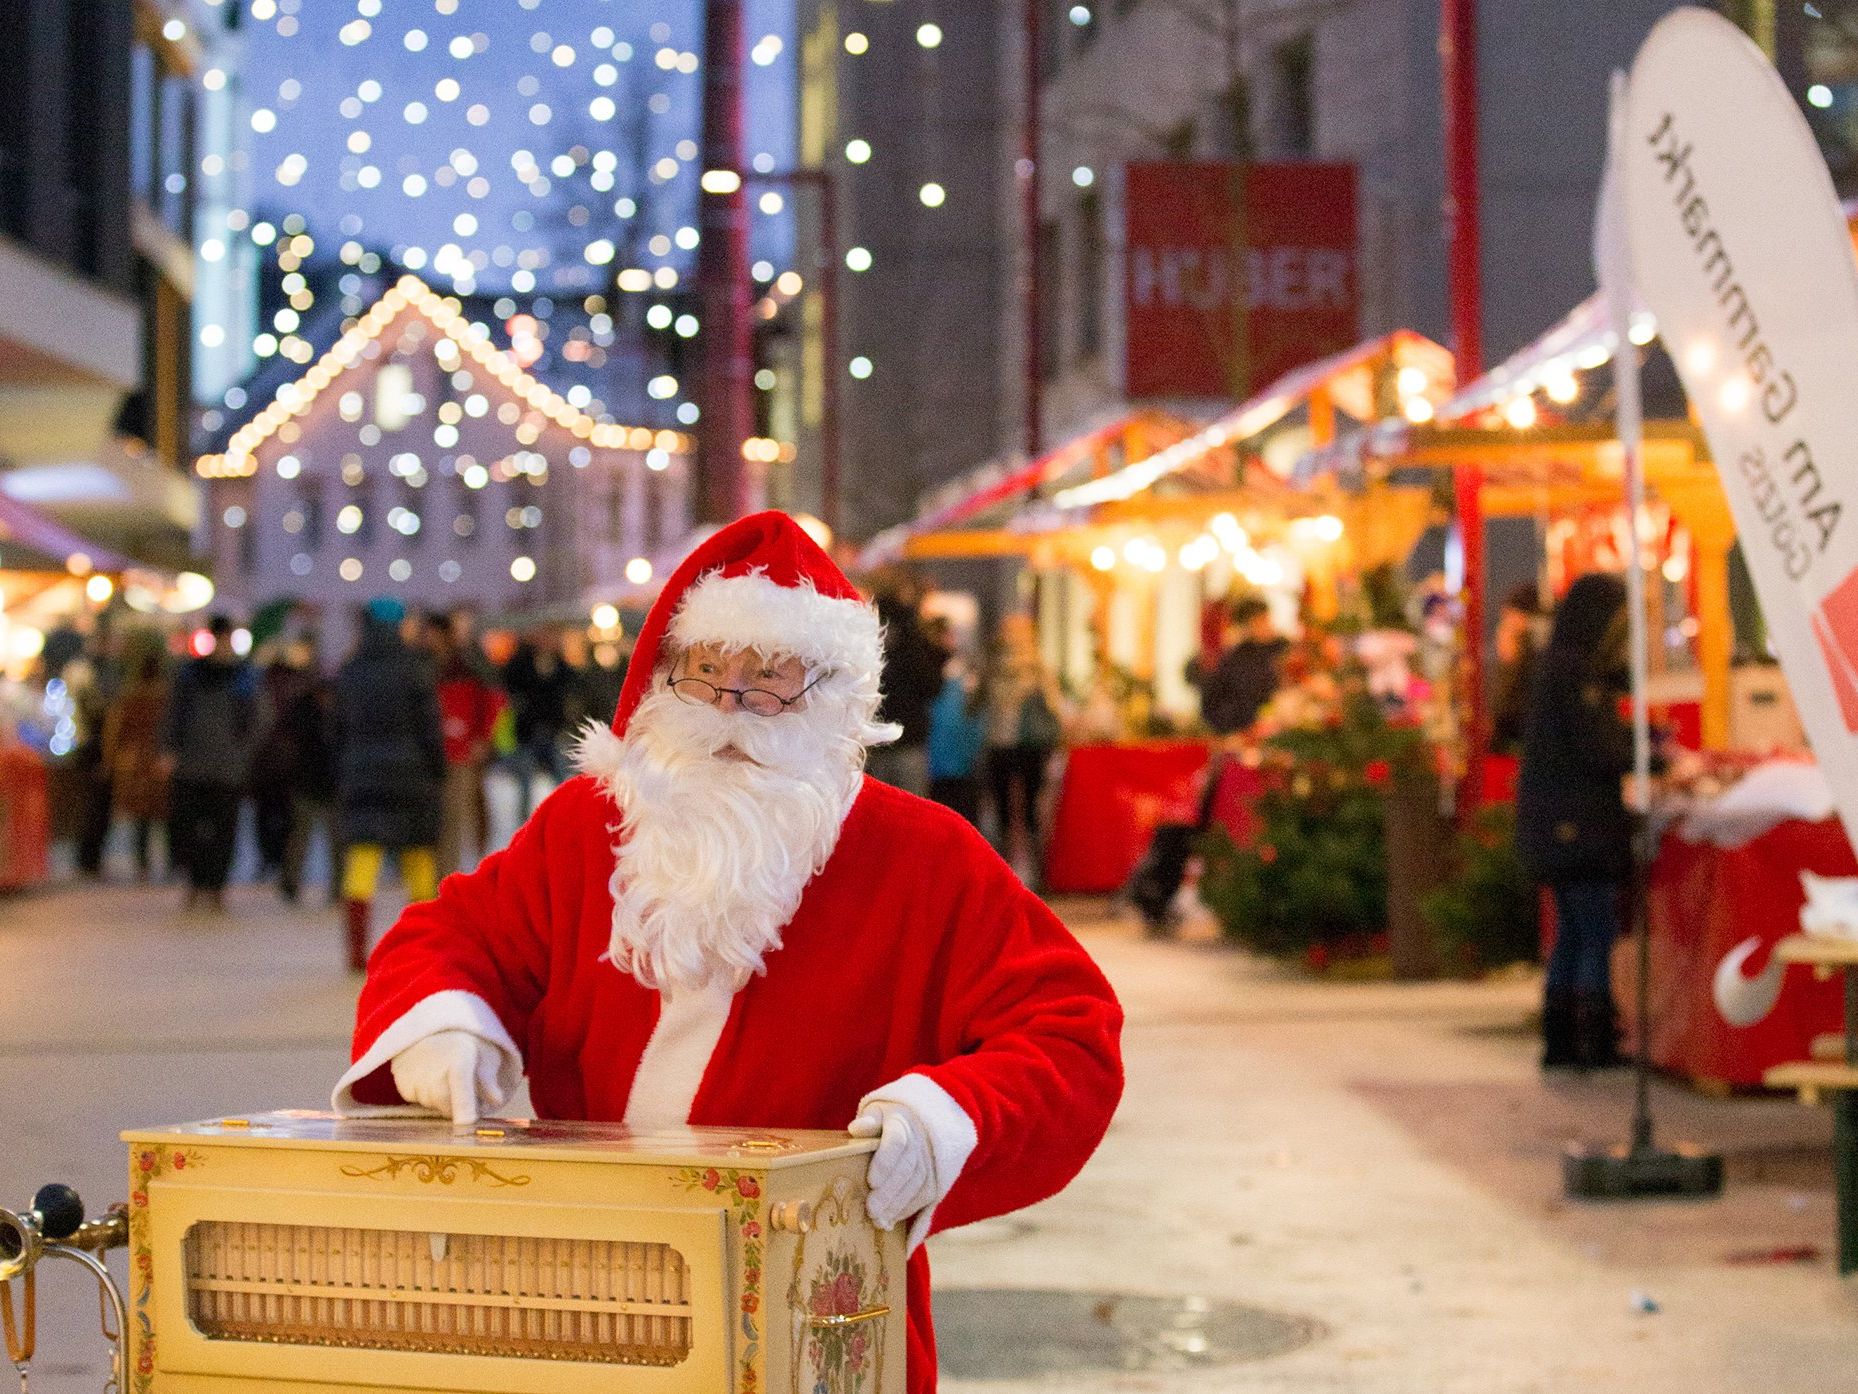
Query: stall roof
point(1000, 483)
point(51, 545)
point(1336, 374)
point(1348, 378)
point(1581, 340)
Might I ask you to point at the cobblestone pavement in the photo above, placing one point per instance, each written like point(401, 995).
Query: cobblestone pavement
point(1339, 1187)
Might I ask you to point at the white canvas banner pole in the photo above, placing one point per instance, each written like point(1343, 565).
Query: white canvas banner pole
point(1613, 268)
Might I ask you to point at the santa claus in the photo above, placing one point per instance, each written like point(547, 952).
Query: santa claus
point(723, 921)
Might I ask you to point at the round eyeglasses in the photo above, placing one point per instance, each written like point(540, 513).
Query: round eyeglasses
point(757, 701)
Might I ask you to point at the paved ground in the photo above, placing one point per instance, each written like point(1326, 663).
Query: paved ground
point(1370, 1164)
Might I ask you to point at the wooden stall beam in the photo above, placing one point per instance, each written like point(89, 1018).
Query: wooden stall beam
point(938, 546)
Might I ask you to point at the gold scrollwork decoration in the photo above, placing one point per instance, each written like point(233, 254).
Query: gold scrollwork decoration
point(763, 1142)
point(834, 1205)
point(444, 1170)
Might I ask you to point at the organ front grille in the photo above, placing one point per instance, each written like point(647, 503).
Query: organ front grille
point(604, 1301)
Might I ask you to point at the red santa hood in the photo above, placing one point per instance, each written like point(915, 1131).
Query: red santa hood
point(761, 581)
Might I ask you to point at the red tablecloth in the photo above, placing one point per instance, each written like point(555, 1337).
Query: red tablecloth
point(1113, 797)
point(1706, 900)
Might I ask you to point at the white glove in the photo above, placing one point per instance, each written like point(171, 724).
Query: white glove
point(453, 1073)
point(902, 1172)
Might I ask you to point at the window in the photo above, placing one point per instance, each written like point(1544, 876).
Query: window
point(144, 80)
point(246, 539)
point(1054, 37)
point(409, 518)
point(661, 515)
point(1235, 119)
point(1178, 141)
point(168, 198)
point(312, 506)
point(364, 506)
point(1090, 262)
point(1294, 126)
point(393, 385)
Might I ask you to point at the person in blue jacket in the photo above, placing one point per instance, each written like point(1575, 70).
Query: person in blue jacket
point(957, 737)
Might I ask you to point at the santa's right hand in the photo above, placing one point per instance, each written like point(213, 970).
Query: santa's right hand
point(453, 1073)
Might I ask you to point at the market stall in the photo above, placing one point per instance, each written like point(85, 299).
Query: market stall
point(1134, 531)
point(1724, 1010)
point(51, 577)
point(1726, 884)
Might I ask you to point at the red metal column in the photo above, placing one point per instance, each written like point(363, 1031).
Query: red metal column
point(1029, 194)
point(726, 377)
point(829, 487)
point(1458, 69)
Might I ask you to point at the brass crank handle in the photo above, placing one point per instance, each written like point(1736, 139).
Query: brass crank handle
point(849, 1319)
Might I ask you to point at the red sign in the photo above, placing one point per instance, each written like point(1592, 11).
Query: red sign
point(1835, 626)
point(1197, 329)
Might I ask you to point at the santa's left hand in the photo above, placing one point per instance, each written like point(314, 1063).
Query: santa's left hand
point(902, 1173)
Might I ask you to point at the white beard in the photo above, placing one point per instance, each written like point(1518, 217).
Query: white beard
point(716, 852)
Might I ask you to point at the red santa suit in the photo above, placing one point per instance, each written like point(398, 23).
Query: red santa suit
point(916, 967)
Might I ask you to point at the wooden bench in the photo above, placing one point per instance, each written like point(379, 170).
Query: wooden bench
point(1812, 1078)
point(1832, 1073)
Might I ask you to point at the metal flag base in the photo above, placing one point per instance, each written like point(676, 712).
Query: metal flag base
point(1631, 1173)
point(1640, 1168)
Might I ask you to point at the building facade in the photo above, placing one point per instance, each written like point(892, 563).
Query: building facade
point(934, 319)
point(100, 144)
point(1319, 81)
point(911, 107)
point(415, 459)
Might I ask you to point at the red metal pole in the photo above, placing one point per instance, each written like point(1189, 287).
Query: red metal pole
point(829, 347)
point(725, 380)
point(1029, 194)
point(1458, 65)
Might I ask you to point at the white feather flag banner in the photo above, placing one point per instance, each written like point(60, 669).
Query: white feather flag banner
point(1739, 247)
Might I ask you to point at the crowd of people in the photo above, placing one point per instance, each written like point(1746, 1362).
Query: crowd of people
point(395, 750)
point(389, 752)
point(978, 734)
point(411, 744)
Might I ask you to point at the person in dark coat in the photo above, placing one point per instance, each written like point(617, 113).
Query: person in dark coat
point(1520, 629)
point(132, 748)
point(313, 787)
point(542, 687)
point(1248, 674)
point(913, 664)
point(1235, 685)
point(276, 757)
point(390, 768)
point(214, 715)
point(1573, 832)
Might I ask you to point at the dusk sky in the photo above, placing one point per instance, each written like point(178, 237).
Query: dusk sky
point(400, 124)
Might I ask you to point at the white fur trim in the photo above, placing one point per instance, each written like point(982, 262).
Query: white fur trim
point(753, 611)
point(451, 1010)
point(598, 752)
point(671, 1070)
point(952, 1138)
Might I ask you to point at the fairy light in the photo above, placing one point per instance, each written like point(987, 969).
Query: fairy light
point(295, 398)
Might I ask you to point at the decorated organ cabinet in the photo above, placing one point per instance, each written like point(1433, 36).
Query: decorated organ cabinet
point(304, 1252)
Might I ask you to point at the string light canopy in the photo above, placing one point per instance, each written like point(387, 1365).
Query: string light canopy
point(295, 398)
